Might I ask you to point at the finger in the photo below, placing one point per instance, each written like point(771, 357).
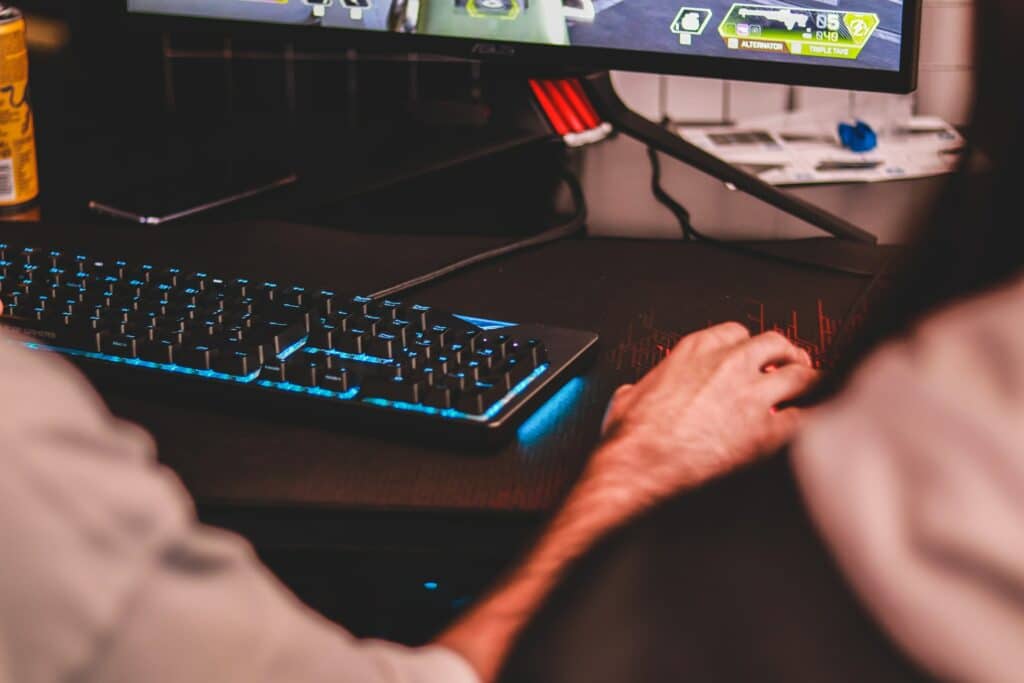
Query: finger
point(805, 360)
point(783, 426)
point(1, 307)
point(772, 349)
point(613, 404)
point(787, 383)
point(620, 398)
point(730, 333)
point(719, 336)
point(621, 391)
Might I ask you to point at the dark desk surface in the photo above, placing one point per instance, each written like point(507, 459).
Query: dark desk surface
point(639, 295)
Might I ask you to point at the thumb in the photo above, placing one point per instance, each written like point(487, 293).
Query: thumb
point(610, 411)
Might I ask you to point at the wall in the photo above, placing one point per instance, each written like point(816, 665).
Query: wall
point(617, 175)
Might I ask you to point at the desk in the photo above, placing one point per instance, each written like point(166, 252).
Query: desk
point(638, 295)
point(356, 524)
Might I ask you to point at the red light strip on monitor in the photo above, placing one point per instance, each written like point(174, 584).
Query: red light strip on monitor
point(569, 111)
point(552, 112)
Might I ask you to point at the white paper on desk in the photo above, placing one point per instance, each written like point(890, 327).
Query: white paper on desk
point(803, 148)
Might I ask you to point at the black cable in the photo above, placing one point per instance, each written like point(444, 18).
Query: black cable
point(678, 210)
point(848, 328)
point(691, 233)
point(561, 231)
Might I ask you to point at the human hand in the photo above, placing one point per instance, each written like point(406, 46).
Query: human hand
point(709, 407)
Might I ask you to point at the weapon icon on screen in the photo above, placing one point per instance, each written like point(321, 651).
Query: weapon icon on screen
point(786, 16)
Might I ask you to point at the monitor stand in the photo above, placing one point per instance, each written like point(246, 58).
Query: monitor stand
point(611, 107)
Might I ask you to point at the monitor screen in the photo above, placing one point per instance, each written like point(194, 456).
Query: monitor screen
point(704, 37)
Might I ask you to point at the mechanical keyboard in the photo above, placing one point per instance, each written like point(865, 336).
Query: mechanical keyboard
point(405, 367)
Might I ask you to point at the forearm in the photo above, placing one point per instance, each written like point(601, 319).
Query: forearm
point(621, 481)
point(597, 505)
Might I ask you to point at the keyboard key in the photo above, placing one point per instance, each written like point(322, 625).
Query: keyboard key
point(267, 291)
point(123, 345)
point(442, 364)
point(469, 339)
point(487, 358)
point(517, 370)
point(500, 343)
point(473, 370)
point(479, 398)
point(459, 381)
point(438, 334)
point(336, 379)
point(400, 329)
point(283, 336)
point(324, 302)
point(409, 358)
point(323, 335)
point(399, 389)
point(239, 363)
point(341, 320)
point(425, 348)
point(390, 310)
point(198, 356)
point(274, 371)
point(361, 305)
point(304, 370)
point(237, 288)
point(536, 353)
point(438, 397)
point(352, 341)
point(371, 324)
point(294, 296)
point(157, 351)
point(384, 345)
point(418, 315)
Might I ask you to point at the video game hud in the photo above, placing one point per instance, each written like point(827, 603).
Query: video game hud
point(864, 34)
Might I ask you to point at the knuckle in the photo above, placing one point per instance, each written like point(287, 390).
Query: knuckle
point(621, 391)
point(804, 374)
point(733, 330)
point(734, 360)
point(686, 344)
point(717, 336)
point(774, 338)
point(790, 378)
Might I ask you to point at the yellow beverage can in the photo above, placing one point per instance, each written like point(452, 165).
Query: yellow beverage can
point(19, 174)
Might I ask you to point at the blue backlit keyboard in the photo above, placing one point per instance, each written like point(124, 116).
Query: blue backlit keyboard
point(406, 367)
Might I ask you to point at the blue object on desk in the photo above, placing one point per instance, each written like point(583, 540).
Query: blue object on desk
point(858, 138)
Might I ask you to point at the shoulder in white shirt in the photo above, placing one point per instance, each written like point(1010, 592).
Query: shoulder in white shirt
point(915, 477)
point(105, 574)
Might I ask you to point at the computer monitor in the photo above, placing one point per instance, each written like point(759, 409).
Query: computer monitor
point(849, 44)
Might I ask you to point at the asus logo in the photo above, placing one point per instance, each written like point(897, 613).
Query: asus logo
point(493, 50)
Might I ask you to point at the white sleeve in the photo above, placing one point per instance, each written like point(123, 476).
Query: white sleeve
point(915, 477)
point(105, 574)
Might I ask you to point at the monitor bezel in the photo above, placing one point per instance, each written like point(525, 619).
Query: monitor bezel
point(545, 60)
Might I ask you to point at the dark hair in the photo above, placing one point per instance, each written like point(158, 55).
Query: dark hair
point(973, 239)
